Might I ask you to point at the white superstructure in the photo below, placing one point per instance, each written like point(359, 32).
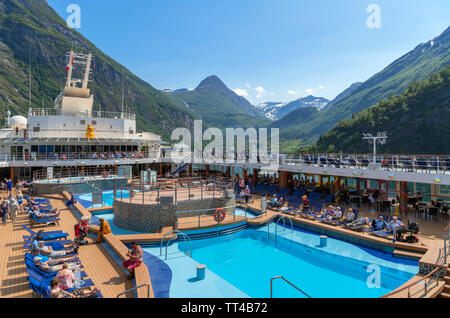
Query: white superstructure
point(72, 129)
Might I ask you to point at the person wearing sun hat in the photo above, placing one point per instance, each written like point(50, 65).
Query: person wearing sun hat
point(305, 204)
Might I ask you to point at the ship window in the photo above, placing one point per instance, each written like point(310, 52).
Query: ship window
point(110, 127)
point(65, 148)
point(94, 122)
point(57, 148)
point(34, 148)
point(36, 129)
point(131, 131)
point(64, 125)
point(72, 149)
point(82, 122)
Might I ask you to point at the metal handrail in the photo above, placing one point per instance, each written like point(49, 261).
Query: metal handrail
point(408, 286)
point(178, 233)
point(135, 288)
point(278, 277)
point(281, 217)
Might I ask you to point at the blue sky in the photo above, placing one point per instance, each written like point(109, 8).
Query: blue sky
point(266, 50)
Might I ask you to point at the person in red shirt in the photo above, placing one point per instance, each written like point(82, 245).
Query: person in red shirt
point(305, 204)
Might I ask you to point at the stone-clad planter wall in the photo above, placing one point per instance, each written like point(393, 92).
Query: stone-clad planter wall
point(146, 218)
point(426, 269)
point(78, 187)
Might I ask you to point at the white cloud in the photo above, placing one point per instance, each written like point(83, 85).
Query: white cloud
point(309, 91)
point(291, 92)
point(261, 92)
point(241, 92)
point(247, 84)
point(321, 87)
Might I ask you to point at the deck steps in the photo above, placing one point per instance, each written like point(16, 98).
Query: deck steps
point(407, 254)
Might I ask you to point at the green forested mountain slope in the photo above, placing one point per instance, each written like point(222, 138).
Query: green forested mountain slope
point(417, 121)
point(219, 106)
point(416, 65)
point(33, 27)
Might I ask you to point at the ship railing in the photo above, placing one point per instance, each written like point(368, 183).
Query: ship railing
point(92, 114)
point(60, 158)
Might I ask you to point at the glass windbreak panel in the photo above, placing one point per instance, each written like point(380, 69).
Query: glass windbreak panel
point(444, 189)
point(425, 190)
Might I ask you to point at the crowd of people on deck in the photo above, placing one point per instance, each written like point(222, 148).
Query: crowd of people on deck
point(95, 155)
point(61, 259)
point(12, 204)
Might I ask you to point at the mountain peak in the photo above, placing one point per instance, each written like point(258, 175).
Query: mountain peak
point(212, 82)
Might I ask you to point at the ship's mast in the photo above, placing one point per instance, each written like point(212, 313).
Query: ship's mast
point(69, 70)
point(87, 70)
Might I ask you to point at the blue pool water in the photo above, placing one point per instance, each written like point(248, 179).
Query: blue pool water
point(108, 198)
point(242, 264)
point(109, 217)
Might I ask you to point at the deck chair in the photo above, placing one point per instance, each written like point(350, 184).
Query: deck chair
point(35, 220)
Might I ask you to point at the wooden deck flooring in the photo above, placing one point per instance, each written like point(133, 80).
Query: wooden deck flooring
point(99, 264)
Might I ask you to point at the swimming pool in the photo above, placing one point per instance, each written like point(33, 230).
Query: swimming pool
point(247, 260)
point(108, 198)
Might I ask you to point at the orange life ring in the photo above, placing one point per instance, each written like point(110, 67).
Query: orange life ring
point(219, 215)
point(105, 174)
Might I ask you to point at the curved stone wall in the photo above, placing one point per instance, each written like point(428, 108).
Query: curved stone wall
point(146, 218)
point(78, 187)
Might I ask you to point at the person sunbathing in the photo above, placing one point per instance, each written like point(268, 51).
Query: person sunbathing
point(43, 215)
point(50, 252)
point(279, 203)
point(37, 256)
point(46, 267)
point(273, 201)
point(325, 214)
point(335, 215)
point(396, 225)
point(349, 217)
point(57, 292)
point(379, 225)
point(359, 223)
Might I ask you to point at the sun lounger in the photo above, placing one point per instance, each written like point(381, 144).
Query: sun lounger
point(35, 220)
point(53, 244)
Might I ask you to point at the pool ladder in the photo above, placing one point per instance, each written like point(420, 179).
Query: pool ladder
point(185, 236)
point(281, 277)
point(280, 217)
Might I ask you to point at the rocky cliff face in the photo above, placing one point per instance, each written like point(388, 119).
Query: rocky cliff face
point(32, 29)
